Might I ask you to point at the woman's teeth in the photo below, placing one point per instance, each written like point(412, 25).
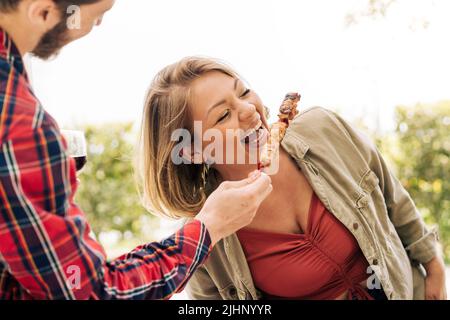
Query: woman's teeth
point(252, 131)
point(253, 134)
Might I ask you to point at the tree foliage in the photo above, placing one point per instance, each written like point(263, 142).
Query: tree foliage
point(107, 191)
point(421, 158)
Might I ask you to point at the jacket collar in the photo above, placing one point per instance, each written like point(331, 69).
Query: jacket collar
point(10, 53)
point(295, 145)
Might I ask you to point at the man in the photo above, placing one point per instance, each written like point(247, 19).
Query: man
point(44, 237)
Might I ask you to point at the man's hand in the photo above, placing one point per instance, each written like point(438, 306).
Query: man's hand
point(234, 204)
point(435, 280)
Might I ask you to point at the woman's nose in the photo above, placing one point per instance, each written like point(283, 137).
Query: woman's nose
point(247, 111)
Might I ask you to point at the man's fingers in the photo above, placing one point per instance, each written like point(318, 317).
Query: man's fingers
point(242, 183)
point(261, 187)
point(258, 184)
point(266, 193)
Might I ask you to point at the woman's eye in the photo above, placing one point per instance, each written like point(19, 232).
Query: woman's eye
point(246, 92)
point(225, 115)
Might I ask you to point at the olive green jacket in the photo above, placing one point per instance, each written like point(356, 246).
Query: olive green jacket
point(352, 180)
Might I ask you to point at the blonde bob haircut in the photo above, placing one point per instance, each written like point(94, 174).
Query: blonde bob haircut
point(175, 191)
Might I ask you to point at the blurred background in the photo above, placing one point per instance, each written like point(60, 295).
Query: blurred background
point(382, 64)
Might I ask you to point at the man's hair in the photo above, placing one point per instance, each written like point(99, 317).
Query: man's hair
point(10, 5)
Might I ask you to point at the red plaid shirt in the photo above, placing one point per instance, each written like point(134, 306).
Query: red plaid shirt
point(45, 248)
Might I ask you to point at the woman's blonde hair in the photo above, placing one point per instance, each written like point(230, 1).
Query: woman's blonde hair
point(169, 189)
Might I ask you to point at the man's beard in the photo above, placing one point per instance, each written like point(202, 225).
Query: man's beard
point(52, 41)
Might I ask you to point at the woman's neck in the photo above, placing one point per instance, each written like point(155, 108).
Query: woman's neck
point(280, 180)
point(291, 194)
point(288, 169)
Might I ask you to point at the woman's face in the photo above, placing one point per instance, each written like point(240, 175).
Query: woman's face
point(225, 106)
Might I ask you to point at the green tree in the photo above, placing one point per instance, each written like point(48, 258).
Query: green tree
point(107, 191)
point(422, 162)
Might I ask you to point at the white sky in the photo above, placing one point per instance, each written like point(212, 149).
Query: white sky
point(278, 46)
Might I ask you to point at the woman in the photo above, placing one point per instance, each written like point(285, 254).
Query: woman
point(338, 224)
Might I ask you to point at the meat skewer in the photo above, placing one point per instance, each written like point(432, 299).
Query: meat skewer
point(270, 151)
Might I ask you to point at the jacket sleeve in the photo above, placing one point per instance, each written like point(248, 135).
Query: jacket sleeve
point(202, 287)
point(419, 241)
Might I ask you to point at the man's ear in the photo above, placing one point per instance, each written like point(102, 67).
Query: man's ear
point(43, 14)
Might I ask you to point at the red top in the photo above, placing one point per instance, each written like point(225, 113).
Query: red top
point(323, 263)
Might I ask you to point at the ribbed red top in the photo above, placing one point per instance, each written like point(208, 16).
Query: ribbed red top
point(323, 263)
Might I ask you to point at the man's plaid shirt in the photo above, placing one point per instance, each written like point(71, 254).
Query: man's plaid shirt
point(44, 236)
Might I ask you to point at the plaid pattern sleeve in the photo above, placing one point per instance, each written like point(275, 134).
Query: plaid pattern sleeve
point(45, 248)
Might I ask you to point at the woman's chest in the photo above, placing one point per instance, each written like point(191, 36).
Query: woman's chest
point(288, 212)
point(325, 254)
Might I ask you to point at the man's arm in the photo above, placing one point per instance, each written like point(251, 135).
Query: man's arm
point(44, 237)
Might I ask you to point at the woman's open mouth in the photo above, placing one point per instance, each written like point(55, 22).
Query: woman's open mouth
point(255, 137)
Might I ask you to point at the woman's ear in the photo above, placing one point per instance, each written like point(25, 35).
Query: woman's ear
point(44, 15)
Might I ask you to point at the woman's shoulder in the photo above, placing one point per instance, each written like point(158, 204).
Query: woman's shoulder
point(316, 117)
point(329, 137)
point(315, 123)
